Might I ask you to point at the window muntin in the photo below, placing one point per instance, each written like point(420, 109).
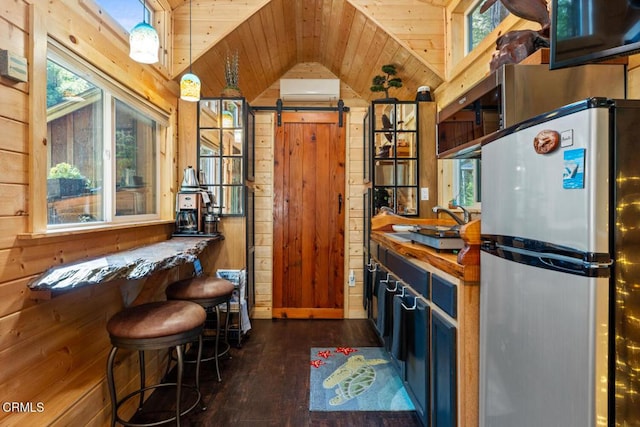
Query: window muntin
point(479, 25)
point(222, 160)
point(104, 137)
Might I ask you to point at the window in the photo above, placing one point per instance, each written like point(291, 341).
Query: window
point(479, 25)
point(127, 13)
point(120, 16)
point(466, 182)
point(572, 20)
point(223, 156)
point(102, 158)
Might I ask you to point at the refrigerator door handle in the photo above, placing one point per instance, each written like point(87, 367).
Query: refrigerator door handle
point(549, 261)
point(553, 261)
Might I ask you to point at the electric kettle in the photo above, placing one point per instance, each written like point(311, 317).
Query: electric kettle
point(189, 181)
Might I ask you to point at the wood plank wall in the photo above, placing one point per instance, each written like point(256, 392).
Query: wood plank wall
point(54, 352)
point(265, 135)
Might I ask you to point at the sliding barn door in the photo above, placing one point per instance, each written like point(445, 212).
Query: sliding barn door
point(309, 212)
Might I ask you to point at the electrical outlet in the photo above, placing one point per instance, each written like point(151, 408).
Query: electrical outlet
point(424, 193)
point(352, 278)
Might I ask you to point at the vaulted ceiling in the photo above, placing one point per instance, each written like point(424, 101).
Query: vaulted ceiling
point(351, 38)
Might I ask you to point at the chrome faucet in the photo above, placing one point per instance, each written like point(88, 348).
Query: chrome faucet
point(466, 214)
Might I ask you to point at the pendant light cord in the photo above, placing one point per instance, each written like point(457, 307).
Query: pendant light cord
point(190, 36)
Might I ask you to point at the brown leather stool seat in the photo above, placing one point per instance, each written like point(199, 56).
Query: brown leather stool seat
point(209, 292)
point(202, 288)
point(154, 326)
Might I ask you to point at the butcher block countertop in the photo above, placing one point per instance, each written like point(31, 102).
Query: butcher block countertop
point(465, 265)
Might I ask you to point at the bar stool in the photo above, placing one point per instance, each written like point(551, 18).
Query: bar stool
point(154, 326)
point(210, 292)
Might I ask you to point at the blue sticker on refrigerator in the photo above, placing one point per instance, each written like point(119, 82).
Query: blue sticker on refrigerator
point(573, 173)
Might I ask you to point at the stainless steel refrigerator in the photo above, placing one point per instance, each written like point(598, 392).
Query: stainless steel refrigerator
point(560, 269)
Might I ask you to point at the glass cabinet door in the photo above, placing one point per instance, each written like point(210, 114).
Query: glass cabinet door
point(395, 151)
point(222, 146)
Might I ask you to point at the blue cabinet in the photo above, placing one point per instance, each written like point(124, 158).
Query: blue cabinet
point(444, 295)
point(443, 372)
point(409, 273)
point(420, 334)
point(417, 360)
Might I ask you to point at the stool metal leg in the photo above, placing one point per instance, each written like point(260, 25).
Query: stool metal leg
point(217, 349)
point(226, 323)
point(142, 378)
point(112, 385)
point(199, 357)
point(178, 383)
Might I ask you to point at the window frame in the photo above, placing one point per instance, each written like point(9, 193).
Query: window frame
point(112, 91)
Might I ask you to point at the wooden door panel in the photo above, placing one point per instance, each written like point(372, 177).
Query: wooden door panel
point(308, 223)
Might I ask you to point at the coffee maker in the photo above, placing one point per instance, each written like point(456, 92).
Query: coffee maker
point(189, 212)
point(189, 205)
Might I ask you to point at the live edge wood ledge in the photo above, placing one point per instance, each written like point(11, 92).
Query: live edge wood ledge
point(133, 264)
point(465, 265)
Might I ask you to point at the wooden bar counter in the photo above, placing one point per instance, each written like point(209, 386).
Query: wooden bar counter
point(130, 265)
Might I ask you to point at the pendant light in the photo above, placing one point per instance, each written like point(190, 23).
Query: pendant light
point(190, 83)
point(143, 41)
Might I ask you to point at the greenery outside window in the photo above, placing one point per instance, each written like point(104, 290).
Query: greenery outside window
point(479, 25)
point(102, 158)
point(572, 21)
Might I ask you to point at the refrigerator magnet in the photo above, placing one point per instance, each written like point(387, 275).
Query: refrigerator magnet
point(573, 172)
point(546, 141)
point(566, 138)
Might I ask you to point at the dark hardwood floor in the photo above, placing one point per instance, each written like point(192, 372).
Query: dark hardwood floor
point(266, 382)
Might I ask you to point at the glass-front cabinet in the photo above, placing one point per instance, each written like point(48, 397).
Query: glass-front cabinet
point(395, 152)
point(224, 152)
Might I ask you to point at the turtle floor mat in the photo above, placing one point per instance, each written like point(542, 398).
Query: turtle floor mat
point(355, 379)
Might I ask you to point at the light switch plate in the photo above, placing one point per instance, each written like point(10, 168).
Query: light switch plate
point(424, 193)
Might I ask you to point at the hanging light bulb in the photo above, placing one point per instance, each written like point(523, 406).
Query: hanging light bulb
point(144, 42)
point(190, 83)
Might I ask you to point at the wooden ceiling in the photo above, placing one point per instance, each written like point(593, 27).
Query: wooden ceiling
point(351, 38)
